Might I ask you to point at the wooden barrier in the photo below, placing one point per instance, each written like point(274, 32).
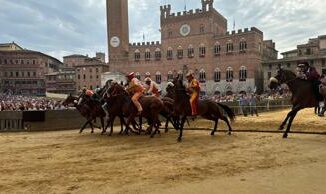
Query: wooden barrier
point(71, 119)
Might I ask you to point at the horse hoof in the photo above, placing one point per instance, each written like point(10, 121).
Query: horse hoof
point(280, 128)
point(213, 133)
point(285, 136)
point(179, 139)
point(229, 133)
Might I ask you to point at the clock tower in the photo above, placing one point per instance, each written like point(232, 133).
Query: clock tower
point(118, 31)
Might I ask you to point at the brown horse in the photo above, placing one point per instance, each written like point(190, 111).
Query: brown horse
point(152, 106)
point(302, 95)
point(208, 109)
point(85, 110)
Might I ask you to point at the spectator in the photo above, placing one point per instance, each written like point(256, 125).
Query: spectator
point(253, 104)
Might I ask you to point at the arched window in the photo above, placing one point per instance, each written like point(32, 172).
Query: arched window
point(147, 55)
point(217, 75)
point(158, 77)
point(137, 55)
point(158, 54)
point(191, 52)
point(229, 47)
point(229, 74)
point(180, 74)
point(202, 76)
point(138, 75)
point(243, 74)
point(169, 53)
point(202, 50)
point(180, 52)
point(217, 49)
point(243, 45)
point(170, 76)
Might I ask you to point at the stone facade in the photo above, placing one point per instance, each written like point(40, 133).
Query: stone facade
point(10, 47)
point(23, 71)
point(197, 40)
point(61, 82)
point(314, 52)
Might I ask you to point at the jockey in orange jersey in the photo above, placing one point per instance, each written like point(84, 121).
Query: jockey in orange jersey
point(194, 89)
point(136, 89)
point(151, 87)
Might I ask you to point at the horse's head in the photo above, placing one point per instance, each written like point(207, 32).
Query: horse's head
point(282, 77)
point(70, 100)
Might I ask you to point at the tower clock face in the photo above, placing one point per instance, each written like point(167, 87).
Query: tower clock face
point(185, 30)
point(115, 41)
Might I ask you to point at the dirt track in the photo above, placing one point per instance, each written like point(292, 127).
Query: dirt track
point(67, 162)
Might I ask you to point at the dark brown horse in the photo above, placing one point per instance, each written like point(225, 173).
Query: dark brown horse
point(302, 95)
point(152, 106)
point(85, 110)
point(208, 109)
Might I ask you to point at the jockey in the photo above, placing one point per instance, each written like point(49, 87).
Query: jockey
point(136, 89)
point(308, 72)
point(311, 74)
point(194, 89)
point(151, 87)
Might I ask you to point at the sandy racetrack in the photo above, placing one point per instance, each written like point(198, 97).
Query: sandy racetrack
point(67, 162)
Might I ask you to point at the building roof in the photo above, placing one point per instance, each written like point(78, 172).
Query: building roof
point(9, 44)
point(75, 56)
point(290, 51)
point(31, 52)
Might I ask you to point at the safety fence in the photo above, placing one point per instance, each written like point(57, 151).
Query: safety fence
point(71, 119)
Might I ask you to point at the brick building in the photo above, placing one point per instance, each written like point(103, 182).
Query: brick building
point(197, 40)
point(23, 71)
point(88, 73)
point(314, 52)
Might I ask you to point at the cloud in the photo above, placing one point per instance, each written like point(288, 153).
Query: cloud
point(64, 27)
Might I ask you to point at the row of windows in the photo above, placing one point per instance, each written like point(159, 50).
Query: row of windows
point(17, 61)
point(84, 77)
point(201, 30)
point(190, 51)
point(19, 74)
point(202, 75)
point(90, 70)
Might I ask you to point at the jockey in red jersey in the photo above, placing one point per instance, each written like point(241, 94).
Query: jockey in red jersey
point(135, 89)
point(151, 87)
point(194, 90)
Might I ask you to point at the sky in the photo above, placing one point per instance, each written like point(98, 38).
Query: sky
point(64, 27)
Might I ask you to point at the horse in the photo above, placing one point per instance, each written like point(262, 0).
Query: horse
point(208, 109)
point(152, 106)
point(84, 109)
point(302, 95)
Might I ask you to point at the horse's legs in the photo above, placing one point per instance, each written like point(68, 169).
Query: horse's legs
point(183, 120)
point(111, 120)
point(102, 123)
point(84, 126)
point(286, 120)
point(228, 123)
point(140, 124)
point(292, 114)
point(122, 122)
point(215, 127)
point(92, 127)
point(167, 124)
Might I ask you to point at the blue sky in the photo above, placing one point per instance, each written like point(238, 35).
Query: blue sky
point(64, 27)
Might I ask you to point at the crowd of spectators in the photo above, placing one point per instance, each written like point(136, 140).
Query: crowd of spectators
point(24, 103)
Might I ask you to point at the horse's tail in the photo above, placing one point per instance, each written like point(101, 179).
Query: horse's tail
point(228, 111)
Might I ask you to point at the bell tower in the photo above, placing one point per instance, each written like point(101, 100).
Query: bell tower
point(118, 30)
